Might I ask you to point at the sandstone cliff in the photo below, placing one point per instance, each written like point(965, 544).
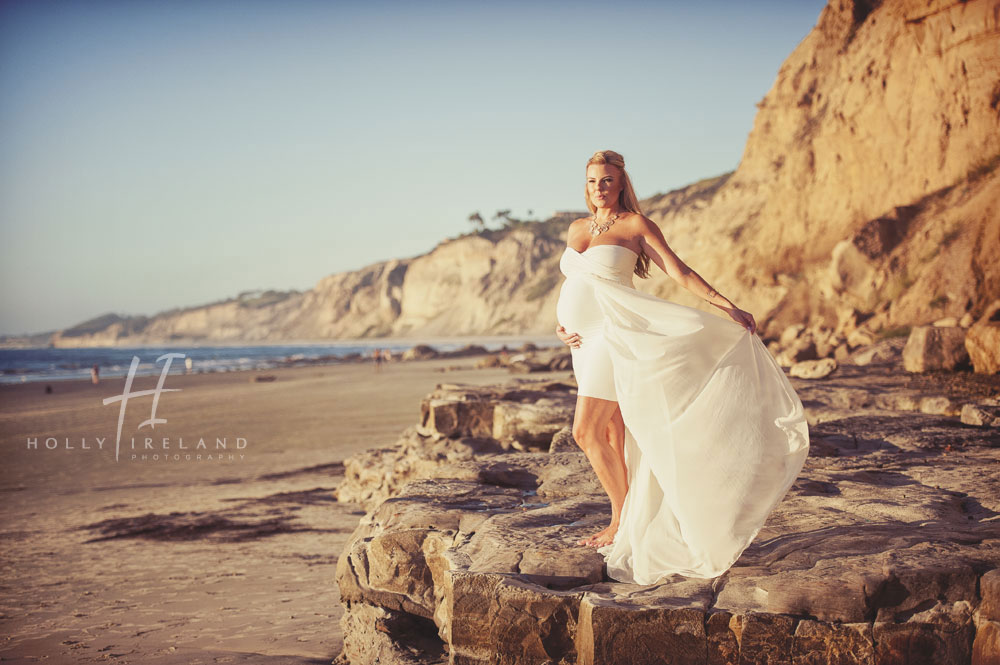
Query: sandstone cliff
point(870, 178)
point(496, 282)
point(868, 191)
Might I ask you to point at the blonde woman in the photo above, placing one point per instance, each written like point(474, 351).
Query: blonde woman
point(689, 424)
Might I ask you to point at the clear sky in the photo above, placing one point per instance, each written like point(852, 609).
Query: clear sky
point(169, 154)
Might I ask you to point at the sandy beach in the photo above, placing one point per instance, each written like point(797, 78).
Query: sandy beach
point(179, 552)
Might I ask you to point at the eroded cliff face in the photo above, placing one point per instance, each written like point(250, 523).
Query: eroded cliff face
point(868, 190)
point(870, 177)
point(471, 285)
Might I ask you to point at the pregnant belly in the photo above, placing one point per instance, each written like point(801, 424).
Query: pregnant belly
point(577, 309)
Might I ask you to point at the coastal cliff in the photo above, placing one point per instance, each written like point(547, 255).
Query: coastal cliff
point(867, 195)
point(502, 282)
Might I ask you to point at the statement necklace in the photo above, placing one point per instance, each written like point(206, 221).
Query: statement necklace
point(597, 229)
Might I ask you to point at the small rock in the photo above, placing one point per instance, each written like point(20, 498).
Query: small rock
point(929, 348)
point(939, 405)
point(885, 352)
point(946, 322)
point(420, 352)
point(966, 320)
point(981, 415)
point(813, 369)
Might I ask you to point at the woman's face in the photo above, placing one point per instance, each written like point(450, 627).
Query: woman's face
point(604, 184)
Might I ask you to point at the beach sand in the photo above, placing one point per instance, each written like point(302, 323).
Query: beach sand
point(222, 559)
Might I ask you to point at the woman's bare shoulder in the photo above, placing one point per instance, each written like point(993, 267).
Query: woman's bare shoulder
point(576, 227)
point(635, 218)
point(638, 222)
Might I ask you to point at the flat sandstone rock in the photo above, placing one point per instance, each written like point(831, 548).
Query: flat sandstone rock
point(886, 549)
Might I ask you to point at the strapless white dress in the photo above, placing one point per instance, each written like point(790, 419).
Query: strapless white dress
point(715, 435)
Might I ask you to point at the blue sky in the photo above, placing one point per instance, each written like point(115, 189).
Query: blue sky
point(169, 154)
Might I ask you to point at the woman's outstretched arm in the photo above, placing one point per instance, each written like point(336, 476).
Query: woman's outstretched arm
point(655, 246)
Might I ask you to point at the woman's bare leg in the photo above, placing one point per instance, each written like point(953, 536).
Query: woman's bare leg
point(599, 430)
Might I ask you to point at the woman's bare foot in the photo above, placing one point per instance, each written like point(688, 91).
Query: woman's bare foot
point(603, 537)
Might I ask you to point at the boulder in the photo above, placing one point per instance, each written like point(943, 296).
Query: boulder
point(981, 414)
point(982, 341)
point(930, 347)
point(458, 413)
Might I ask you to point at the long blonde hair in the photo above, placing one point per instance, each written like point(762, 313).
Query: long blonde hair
point(627, 200)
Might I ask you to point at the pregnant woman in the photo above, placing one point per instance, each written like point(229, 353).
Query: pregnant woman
point(691, 426)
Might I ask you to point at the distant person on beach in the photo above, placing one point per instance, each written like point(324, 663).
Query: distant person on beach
point(188, 364)
point(690, 425)
point(94, 378)
point(388, 356)
point(377, 356)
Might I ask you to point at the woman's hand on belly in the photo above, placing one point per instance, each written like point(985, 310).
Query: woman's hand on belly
point(571, 340)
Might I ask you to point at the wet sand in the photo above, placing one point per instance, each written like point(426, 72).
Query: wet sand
point(226, 558)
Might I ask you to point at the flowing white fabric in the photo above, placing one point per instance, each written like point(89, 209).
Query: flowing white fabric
point(715, 433)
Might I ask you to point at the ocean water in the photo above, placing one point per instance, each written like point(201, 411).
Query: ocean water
point(46, 364)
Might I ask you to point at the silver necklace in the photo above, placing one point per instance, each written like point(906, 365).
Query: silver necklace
point(597, 229)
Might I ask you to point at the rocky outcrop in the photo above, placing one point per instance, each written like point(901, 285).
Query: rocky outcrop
point(886, 549)
point(458, 424)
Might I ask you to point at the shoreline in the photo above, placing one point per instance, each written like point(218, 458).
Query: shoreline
point(357, 354)
point(354, 341)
